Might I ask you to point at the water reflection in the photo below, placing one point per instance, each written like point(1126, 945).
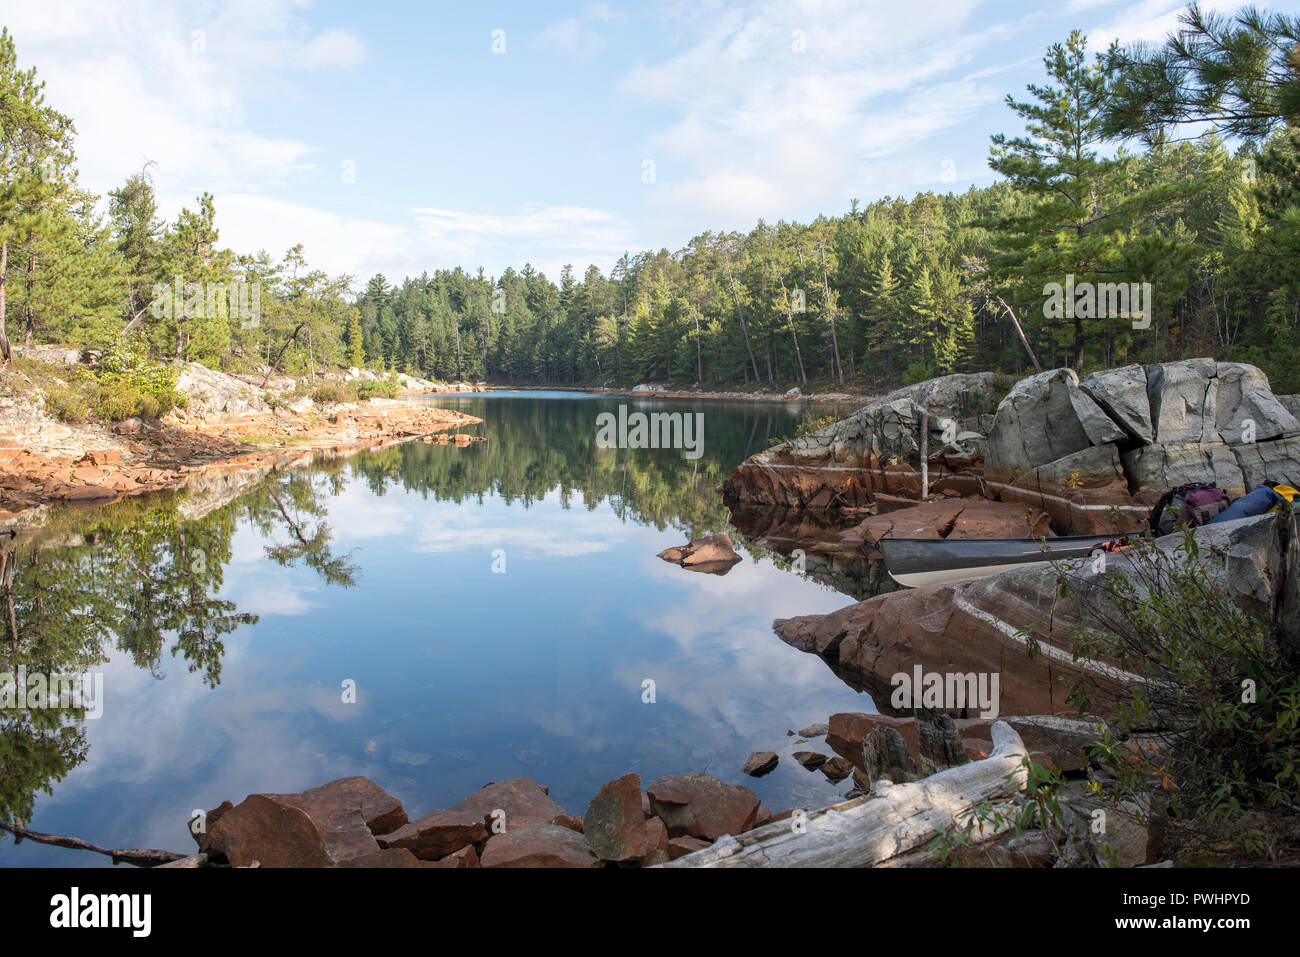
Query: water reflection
point(380, 570)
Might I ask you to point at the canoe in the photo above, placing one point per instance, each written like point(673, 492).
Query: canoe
point(926, 561)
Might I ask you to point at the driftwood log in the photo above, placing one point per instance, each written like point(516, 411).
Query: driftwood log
point(893, 821)
point(144, 856)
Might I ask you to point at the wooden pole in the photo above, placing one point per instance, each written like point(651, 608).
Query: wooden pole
point(925, 456)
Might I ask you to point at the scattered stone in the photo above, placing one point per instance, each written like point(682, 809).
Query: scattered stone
point(271, 833)
point(760, 763)
point(837, 769)
point(456, 860)
point(814, 730)
point(656, 839)
point(812, 760)
point(380, 811)
point(391, 857)
point(713, 554)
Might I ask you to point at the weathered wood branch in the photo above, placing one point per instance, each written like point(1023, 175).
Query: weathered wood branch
point(275, 366)
point(890, 822)
point(146, 856)
point(1023, 338)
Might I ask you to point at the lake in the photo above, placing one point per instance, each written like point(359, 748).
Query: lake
point(429, 616)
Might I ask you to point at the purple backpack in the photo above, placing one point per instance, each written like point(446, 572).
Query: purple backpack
point(1193, 504)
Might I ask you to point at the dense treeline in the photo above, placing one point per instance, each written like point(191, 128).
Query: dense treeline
point(894, 290)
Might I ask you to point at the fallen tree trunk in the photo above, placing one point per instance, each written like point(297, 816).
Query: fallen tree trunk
point(892, 821)
point(147, 857)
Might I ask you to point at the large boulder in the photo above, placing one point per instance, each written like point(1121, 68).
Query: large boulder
point(1097, 454)
point(614, 826)
point(213, 395)
point(514, 803)
point(875, 449)
point(1122, 394)
point(1200, 400)
point(380, 811)
point(699, 805)
point(1043, 418)
point(265, 832)
point(538, 845)
point(329, 825)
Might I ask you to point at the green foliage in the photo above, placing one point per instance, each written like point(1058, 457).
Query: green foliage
point(67, 404)
point(809, 423)
point(126, 384)
point(918, 372)
point(386, 388)
point(1224, 694)
point(889, 292)
point(1040, 809)
point(329, 393)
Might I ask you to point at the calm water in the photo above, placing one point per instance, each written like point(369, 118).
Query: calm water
point(225, 640)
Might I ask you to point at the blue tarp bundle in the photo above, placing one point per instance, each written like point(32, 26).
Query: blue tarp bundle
point(1256, 502)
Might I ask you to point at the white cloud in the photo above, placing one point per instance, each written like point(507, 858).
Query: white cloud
point(331, 241)
point(546, 236)
point(332, 48)
point(575, 36)
point(783, 107)
point(1150, 21)
point(168, 85)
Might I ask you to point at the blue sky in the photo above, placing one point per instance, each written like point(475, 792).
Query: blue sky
point(399, 137)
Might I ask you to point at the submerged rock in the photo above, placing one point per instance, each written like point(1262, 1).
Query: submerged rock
point(760, 763)
point(713, 554)
point(812, 760)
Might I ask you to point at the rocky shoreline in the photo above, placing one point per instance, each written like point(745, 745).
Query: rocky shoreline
point(1094, 454)
point(695, 819)
point(227, 426)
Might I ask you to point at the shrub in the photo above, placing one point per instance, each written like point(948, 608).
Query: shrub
point(386, 387)
point(66, 403)
point(328, 393)
point(127, 384)
point(1223, 693)
point(810, 424)
point(918, 372)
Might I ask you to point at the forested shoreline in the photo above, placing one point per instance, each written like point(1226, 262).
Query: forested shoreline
point(1176, 166)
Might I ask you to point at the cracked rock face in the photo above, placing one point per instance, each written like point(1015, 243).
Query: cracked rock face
point(1095, 454)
